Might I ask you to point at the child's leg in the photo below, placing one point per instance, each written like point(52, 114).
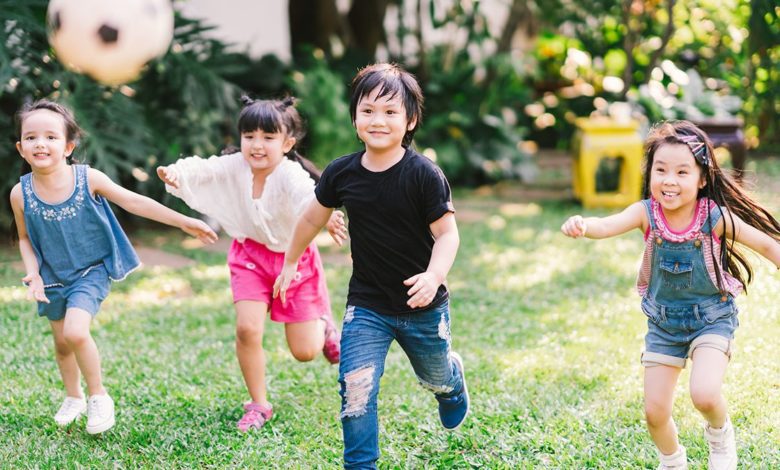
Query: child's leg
point(66, 361)
point(250, 322)
point(365, 339)
point(306, 338)
point(660, 381)
point(425, 337)
point(76, 333)
point(707, 374)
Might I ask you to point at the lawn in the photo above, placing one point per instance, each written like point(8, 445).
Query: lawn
point(549, 328)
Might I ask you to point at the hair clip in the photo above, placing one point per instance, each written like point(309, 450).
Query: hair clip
point(699, 149)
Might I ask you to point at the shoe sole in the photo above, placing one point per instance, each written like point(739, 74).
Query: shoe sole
point(456, 357)
point(103, 427)
point(68, 423)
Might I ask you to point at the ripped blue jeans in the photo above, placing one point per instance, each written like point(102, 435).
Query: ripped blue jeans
point(365, 339)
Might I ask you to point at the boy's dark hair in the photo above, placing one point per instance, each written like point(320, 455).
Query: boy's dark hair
point(392, 80)
point(73, 132)
point(277, 116)
point(719, 187)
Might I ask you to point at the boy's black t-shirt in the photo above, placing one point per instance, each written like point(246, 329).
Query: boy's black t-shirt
point(389, 216)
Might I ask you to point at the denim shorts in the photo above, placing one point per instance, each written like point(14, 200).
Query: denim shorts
point(674, 332)
point(85, 293)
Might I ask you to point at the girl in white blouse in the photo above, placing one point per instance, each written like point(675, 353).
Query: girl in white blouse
point(256, 195)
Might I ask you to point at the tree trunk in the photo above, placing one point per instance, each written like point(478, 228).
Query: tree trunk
point(366, 23)
point(314, 23)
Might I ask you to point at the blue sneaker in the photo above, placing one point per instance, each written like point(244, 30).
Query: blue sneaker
point(453, 410)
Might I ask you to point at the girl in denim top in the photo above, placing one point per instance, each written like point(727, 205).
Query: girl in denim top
point(73, 247)
point(691, 272)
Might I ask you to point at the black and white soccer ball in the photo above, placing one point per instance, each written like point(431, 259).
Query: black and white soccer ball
point(110, 40)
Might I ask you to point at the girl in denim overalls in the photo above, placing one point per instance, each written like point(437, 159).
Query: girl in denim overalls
point(73, 247)
point(688, 279)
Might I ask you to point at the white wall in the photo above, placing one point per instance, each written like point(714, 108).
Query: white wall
point(259, 26)
point(262, 25)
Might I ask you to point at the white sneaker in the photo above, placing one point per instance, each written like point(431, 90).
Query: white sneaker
point(100, 413)
point(676, 461)
point(723, 447)
point(70, 410)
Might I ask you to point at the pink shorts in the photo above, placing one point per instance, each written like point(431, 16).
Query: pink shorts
point(253, 271)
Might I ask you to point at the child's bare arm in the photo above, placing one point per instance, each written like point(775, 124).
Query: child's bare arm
point(32, 278)
point(425, 285)
point(147, 207)
point(309, 225)
point(751, 237)
point(632, 217)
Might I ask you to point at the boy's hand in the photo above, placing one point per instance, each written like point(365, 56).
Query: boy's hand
point(574, 227)
point(337, 228)
point(35, 290)
point(200, 230)
point(423, 290)
point(168, 176)
point(289, 271)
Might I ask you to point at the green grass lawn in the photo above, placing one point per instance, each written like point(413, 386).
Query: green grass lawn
point(549, 328)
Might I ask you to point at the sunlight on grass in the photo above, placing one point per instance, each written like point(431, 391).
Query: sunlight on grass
point(520, 210)
point(10, 294)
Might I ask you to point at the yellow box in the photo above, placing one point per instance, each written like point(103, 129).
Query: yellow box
point(619, 143)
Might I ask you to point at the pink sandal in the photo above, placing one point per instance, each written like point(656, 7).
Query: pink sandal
point(255, 416)
point(332, 347)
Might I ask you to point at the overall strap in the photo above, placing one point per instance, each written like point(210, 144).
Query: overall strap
point(649, 210)
point(713, 217)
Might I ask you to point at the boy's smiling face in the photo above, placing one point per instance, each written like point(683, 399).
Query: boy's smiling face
point(381, 122)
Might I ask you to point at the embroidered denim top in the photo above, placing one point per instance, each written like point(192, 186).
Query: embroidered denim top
point(678, 268)
point(73, 236)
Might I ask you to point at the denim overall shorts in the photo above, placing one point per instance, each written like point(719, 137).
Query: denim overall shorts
point(684, 308)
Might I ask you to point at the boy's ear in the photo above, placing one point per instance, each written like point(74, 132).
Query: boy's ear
point(288, 144)
point(411, 124)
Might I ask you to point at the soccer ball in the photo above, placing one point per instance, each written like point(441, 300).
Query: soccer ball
point(110, 40)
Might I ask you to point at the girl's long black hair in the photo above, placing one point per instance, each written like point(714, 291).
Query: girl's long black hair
point(277, 116)
point(719, 187)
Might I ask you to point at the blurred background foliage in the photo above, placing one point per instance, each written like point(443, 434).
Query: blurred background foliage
point(494, 93)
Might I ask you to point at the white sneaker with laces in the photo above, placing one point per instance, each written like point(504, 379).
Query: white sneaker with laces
point(676, 461)
point(72, 408)
point(723, 447)
point(100, 413)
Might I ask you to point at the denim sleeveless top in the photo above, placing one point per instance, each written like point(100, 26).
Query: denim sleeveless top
point(678, 269)
point(73, 236)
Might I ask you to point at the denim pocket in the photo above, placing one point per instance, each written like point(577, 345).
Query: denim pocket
point(652, 311)
point(676, 273)
point(718, 311)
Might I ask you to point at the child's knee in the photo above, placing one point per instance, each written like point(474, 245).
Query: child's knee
point(75, 337)
point(657, 414)
point(357, 386)
point(304, 353)
point(249, 333)
point(705, 400)
point(62, 348)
